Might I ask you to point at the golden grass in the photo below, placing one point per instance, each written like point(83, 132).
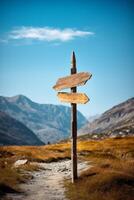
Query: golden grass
point(116, 148)
point(100, 183)
point(11, 177)
point(110, 178)
point(112, 174)
point(37, 153)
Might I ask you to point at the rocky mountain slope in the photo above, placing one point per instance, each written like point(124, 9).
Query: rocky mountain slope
point(13, 132)
point(93, 117)
point(49, 122)
point(119, 120)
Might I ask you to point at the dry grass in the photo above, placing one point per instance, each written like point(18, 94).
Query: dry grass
point(37, 153)
point(110, 178)
point(112, 174)
point(11, 177)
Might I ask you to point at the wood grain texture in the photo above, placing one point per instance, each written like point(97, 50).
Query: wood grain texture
point(72, 80)
point(78, 98)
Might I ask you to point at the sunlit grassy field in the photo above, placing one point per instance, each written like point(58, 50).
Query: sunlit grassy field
point(11, 177)
point(111, 176)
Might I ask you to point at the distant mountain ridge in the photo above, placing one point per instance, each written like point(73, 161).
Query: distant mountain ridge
point(93, 117)
point(50, 123)
point(13, 132)
point(115, 121)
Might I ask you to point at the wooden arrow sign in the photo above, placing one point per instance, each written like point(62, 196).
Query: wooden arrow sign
point(73, 97)
point(72, 80)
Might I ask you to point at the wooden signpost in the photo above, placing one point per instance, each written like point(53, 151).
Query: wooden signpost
point(73, 97)
point(72, 81)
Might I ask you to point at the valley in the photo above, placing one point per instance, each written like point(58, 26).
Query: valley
point(106, 166)
point(50, 123)
point(105, 152)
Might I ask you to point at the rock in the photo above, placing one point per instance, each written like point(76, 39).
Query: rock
point(20, 162)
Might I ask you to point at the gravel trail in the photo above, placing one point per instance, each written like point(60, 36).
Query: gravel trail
point(47, 184)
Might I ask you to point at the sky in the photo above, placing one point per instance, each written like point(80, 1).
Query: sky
point(37, 38)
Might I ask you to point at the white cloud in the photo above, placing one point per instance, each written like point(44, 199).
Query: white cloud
point(47, 34)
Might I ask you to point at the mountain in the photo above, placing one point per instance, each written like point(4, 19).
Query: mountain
point(93, 117)
point(119, 120)
point(13, 132)
point(50, 123)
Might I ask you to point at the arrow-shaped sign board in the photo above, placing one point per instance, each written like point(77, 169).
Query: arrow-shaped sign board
point(72, 80)
point(73, 97)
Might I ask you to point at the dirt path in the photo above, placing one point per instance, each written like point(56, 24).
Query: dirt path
point(47, 184)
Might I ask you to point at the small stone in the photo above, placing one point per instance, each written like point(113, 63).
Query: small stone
point(20, 162)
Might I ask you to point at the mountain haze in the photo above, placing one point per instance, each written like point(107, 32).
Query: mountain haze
point(13, 132)
point(49, 122)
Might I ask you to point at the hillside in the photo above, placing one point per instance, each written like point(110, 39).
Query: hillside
point(118, 120)
point(13, 132)
point(49, 122)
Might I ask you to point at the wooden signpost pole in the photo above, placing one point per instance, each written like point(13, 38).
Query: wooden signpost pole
point(74, 124)
point(72, 81)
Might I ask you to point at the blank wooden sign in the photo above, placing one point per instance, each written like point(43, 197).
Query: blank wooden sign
point(72, 80)
point(78, 98)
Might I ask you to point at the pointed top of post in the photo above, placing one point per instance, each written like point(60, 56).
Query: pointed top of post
point(73, 60)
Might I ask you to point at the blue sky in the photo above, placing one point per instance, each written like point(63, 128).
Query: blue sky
point(37, 38)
